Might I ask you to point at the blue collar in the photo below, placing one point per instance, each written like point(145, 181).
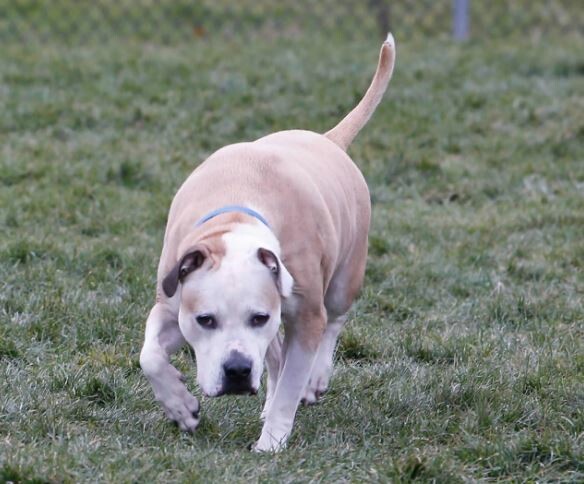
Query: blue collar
point(232, 208)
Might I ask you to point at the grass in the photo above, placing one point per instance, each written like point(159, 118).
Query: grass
point(463, 359)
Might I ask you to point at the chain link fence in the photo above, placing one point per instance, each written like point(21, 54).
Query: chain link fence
point(170, 21)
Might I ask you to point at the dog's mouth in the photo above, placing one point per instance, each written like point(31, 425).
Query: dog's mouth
point(235, 389)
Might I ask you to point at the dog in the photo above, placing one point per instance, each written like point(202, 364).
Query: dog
point(262, 233)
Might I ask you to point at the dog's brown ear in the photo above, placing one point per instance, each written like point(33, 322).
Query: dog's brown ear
point(189, 262)
point(282, 277)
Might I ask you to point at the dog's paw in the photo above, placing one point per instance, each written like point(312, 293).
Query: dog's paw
point(317, 386)
point(312, 395)
point(273, 438)
point(181, 408)
point(268, 445)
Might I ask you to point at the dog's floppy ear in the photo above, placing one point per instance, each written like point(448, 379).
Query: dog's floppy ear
point(284, 280)
point(189, 262)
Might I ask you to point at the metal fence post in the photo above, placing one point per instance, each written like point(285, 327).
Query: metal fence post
point(460, 19)
point(383, 16)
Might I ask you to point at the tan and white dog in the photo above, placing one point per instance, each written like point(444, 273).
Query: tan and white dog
point(263, 232)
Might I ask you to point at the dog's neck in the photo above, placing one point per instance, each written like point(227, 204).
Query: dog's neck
point(232, 209)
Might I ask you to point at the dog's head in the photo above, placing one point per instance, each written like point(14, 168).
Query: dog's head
point(230, 308)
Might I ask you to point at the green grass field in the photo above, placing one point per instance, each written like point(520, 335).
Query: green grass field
point(464, 357)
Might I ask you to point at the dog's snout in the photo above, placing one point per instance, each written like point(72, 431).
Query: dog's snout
point(237, 375)
point(237, 367)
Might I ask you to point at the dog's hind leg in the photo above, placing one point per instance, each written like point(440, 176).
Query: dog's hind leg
point(163, 338)
point(323, 364)
point(342, 291)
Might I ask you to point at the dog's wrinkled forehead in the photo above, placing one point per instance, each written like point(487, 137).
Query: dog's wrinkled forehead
point(244, 279)
point(235, 285)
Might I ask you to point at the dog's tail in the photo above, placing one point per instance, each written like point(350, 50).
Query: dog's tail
point(344, 132)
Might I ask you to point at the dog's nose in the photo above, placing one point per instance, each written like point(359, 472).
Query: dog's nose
point(237, 367)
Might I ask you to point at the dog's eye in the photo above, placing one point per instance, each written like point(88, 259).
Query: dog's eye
point(207, 321)
point(259, 319)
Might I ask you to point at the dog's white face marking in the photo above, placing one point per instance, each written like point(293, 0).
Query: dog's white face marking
point(229, 315)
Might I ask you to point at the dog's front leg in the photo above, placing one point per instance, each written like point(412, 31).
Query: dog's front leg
point(273, 363)
point(301, 343)
point(163, 338)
